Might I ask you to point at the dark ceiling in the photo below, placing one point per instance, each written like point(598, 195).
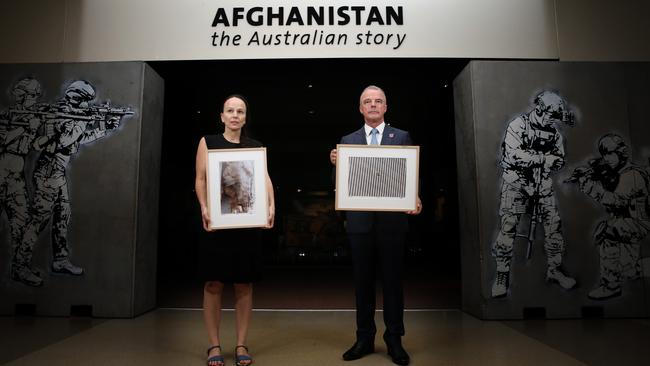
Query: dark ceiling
point(299, 109)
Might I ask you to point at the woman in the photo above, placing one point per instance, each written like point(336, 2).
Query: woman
point(233, 255)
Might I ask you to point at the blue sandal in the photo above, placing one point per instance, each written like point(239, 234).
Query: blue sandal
point(218, 360)
point(242, 358)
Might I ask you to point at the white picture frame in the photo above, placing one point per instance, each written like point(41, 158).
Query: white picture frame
point(236, 180)
point(377, 177)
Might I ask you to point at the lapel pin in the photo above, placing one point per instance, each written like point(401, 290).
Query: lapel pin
point(391, 135)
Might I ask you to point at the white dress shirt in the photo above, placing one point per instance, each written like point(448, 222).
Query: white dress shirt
point(380, 130)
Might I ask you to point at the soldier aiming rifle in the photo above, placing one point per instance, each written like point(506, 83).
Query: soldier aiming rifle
point(69, 124)
point(17, 133)
point(622, 188)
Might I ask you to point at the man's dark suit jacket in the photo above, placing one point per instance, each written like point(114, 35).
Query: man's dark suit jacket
point(361, 222)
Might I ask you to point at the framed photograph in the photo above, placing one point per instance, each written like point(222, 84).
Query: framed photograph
point(377, 177)
point(237, 188)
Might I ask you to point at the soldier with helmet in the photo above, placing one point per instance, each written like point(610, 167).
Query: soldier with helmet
point(532, 150)
point(18, 128)
point(622, 188)
point(60, 139)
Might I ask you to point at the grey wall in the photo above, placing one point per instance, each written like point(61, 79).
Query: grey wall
point(471, 264)
point(113, 185)
point(148, 192)
point(602, 30)
point(607, 97)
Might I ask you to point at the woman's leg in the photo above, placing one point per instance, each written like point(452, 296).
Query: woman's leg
point(212, 292)
point(243, 311)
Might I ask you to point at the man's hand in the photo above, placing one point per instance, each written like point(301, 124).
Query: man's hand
point(333, 156)
point(553, 162)
point(538, 160)
point(112, 122)
point(418, 207)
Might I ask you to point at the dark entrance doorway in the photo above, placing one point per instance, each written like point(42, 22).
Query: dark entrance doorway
point(299, 109)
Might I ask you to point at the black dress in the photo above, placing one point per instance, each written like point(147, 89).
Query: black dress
point(230, 255)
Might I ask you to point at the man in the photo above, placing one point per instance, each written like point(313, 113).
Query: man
point(18, 128)
point(622, 188)
point(532, 149)
point(377, 238)
point(72, 126)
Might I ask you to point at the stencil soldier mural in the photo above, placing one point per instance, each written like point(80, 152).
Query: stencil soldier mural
point(622, 188)
point(18, 127)
point(532, 150)
point(64, 127)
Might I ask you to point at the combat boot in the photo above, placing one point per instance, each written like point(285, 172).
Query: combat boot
point(556, 275)
point(501, 283)
point(64, 266)
point(26, 276)
point(603, 292)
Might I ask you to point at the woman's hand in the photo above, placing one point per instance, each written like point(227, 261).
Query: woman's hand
point(271, 221)
point(205, 217)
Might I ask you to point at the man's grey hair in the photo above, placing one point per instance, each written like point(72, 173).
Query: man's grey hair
point(373, 87)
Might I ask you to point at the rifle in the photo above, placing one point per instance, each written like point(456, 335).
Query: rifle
point(532, 226)
point(104, 109)
point(595, 169)
point(92, 113)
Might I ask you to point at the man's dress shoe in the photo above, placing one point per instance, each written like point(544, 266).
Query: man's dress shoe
point(358, 350)
point(397, 353)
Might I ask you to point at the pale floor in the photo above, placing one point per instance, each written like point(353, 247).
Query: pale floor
point(287, 338)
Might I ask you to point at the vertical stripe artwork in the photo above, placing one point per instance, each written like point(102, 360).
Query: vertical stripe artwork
point(377, 177)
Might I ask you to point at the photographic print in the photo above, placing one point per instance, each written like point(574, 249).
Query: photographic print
point(237, 188)
point(376, 178)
